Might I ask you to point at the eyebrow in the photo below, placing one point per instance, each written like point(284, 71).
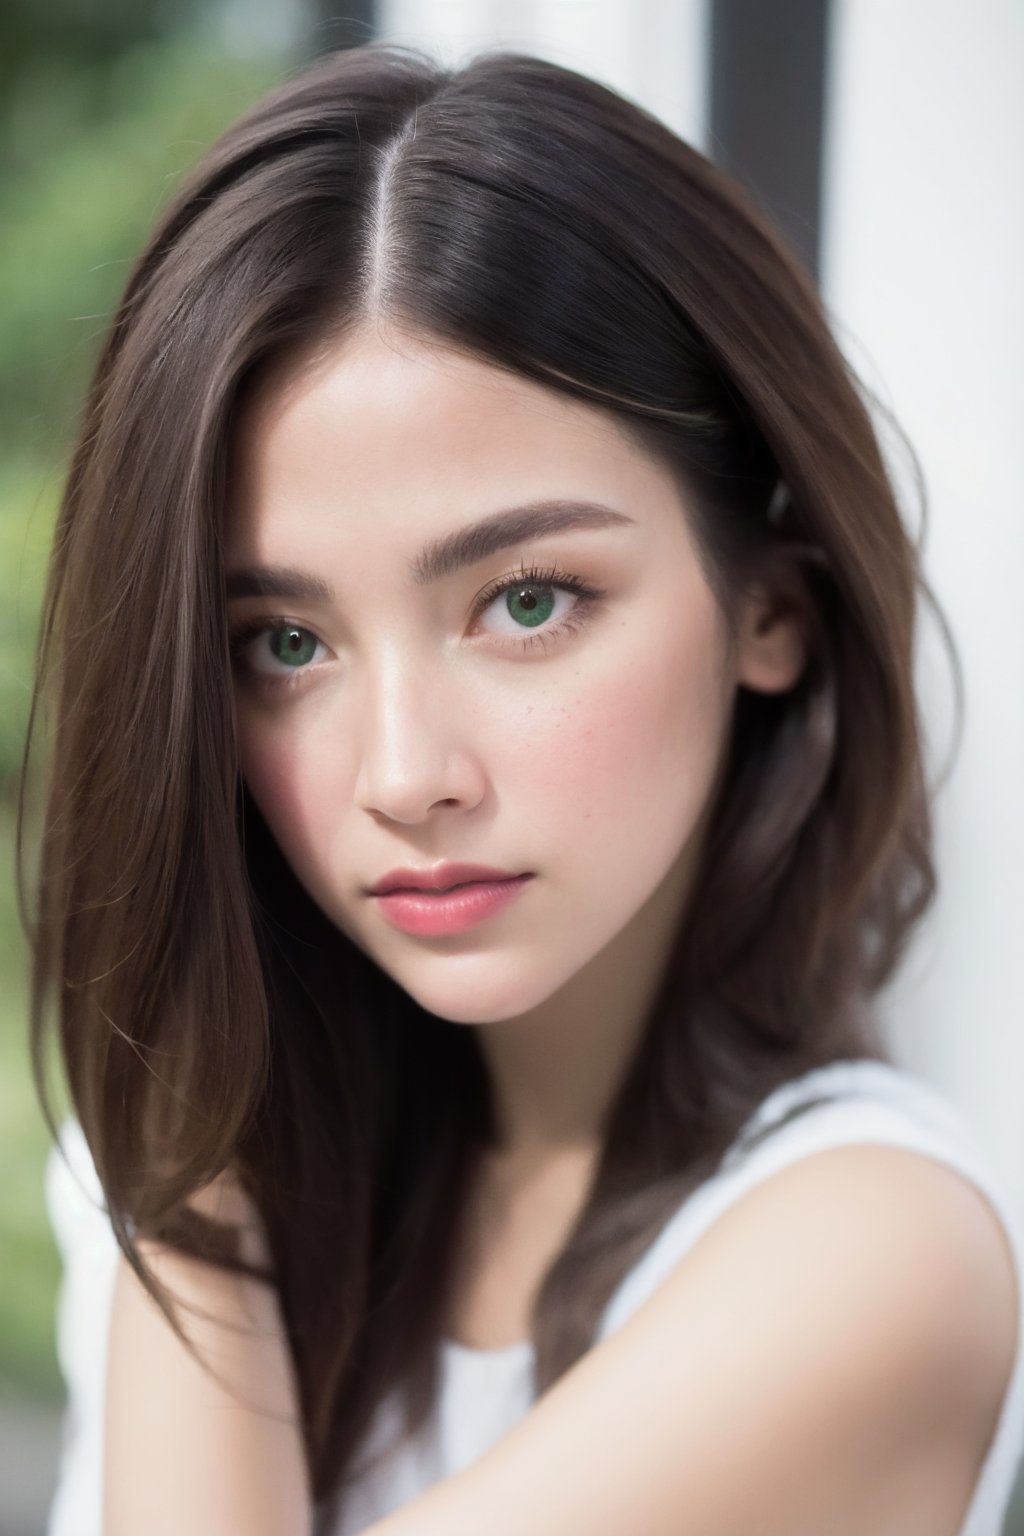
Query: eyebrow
point(443, 556)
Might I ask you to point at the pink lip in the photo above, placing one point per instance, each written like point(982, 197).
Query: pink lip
point(423, 913)
point(438, 878)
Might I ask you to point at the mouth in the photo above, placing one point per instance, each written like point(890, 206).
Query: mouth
point(444, 878)
point(439, 890)
point(438, 911)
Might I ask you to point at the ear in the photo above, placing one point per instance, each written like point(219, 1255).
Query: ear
point(771, 635)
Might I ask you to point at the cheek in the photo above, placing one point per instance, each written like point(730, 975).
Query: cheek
point(285, 779)
point(632, 743)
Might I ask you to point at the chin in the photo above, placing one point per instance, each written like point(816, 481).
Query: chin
point(474, 989)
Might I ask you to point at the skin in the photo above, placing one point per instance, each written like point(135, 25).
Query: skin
point(422, 730)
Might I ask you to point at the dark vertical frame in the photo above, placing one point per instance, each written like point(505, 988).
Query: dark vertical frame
point(767, 91)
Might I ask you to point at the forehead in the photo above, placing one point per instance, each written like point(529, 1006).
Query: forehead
point(394, 436)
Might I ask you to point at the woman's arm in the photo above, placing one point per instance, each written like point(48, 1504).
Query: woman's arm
point(831, 1356)
point(182, 1453)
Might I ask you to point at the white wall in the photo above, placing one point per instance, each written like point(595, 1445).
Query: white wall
point(923, 264)
point(652, 51)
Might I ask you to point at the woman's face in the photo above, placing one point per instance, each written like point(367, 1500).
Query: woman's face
point(552, 702)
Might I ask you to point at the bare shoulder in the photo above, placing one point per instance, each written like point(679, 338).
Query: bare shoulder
point(877, 1288)
point(915, 1244)
point(832, 1354)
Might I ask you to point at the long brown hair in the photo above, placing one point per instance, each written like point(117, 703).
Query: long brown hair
point(208, 1014)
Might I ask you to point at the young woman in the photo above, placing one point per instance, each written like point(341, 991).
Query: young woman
point(485, 796)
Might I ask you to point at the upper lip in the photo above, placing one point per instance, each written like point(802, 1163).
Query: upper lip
point(441, 876)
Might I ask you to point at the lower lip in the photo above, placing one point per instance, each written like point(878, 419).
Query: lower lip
point(420, 913)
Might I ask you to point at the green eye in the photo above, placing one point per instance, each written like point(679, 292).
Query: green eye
point(526, 607)
point(293, 646)
point(529, 598)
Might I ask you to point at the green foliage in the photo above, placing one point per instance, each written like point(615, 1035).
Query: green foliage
point(67, 43)
point(29, 1262)
point(27, 501)
point(73, 226)
point(74, 211)
point(71, 232)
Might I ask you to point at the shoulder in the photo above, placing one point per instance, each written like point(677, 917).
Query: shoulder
point(910, 1242)
point(871, 1274)
point(843, 1335)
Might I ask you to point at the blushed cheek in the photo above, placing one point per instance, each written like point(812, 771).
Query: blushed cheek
point(639, 728)
point(624, 768)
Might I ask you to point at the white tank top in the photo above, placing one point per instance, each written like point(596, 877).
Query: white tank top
point(483, 1392)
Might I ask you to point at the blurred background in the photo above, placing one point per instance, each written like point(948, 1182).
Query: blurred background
point(885, 137)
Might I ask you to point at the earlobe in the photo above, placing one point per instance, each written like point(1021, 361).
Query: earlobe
point(772, 646)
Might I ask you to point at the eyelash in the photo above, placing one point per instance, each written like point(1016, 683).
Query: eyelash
point(524, 576)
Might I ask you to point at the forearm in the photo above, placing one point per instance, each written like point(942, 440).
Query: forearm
point(184, 1452)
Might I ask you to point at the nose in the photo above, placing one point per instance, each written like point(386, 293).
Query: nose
point(413, 751)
